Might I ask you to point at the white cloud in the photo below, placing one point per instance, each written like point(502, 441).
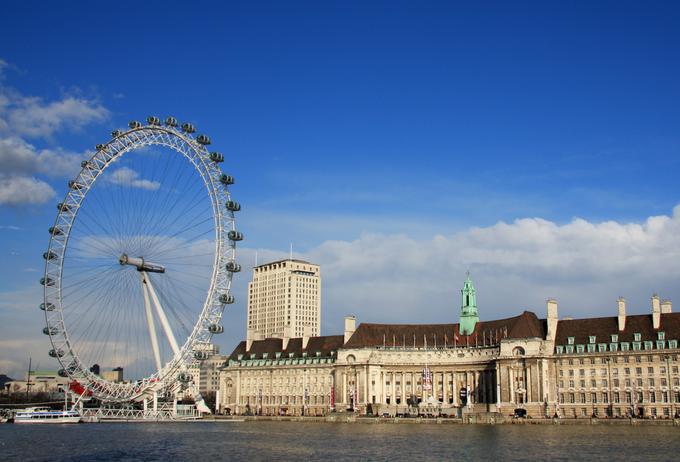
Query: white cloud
point(11, 227)
point(24, 190)
point(20, 161)
point(516, 266)
point(31, 116)
point(128, 177)
point(19, 157)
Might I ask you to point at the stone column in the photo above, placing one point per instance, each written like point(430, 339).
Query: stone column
point(238, 390)
point(511, 378)
point(445, 388)
point(454, 377)
point(528, 384)
point(498, 386)
point(403, 388)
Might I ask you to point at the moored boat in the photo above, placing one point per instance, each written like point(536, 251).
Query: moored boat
point(46, 415)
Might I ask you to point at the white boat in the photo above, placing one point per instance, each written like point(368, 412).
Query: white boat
point(43, 415)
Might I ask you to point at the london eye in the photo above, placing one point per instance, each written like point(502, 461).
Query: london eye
point(140, 261)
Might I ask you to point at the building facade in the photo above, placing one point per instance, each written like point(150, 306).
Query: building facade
point(205, 371)
point(284, 300)
point(604, 367)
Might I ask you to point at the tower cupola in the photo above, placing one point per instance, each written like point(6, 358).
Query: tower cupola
point(468, 310)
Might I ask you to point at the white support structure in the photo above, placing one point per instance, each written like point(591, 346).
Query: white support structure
point(161, 314)
point(150, 323)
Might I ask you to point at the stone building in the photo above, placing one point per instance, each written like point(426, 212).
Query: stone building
point(613, 366)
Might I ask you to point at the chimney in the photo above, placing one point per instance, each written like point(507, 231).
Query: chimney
point(656, 312)
point(666, 307)
point(306, 333)
point(622, 313)
point(350, 327)
point(552, 319)
point(250, 337)
point(287, 334)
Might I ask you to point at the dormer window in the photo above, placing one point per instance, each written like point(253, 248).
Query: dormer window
point(290, 355)
point(570, 340)
point(615, 338)
point(591, 339)
point(264, 355)
point(278, 354)
point(638, 337)
point(661, 336)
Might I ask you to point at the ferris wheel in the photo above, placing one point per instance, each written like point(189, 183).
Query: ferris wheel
point(140, 262)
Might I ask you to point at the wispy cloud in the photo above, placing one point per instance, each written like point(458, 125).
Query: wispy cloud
point(21, 163)
point(128, 177)
point(21, 190)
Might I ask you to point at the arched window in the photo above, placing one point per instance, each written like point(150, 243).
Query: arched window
point(518, 351)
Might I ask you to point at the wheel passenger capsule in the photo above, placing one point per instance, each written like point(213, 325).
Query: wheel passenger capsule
point(134, 124)
point(226, 299)
point(227, 180)
point(233, 267)
point(233, 206)
point(171, 122)
point(235, 235)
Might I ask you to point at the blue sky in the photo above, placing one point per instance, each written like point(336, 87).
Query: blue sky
point(351, 123)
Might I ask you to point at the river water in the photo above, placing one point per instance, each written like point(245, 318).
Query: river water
point(254, 441)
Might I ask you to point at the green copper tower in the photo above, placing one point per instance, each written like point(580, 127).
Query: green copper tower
point(468, 309)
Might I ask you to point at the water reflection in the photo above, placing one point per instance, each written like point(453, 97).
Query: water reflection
point(337, 442)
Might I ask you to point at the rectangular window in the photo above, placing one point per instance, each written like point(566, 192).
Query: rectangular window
point(625, 346)
point(591, 348)
point(570, 340)
point(591, 339)
point(580, 348)
point(615, 338)
point(637, 337)
point(661, 336)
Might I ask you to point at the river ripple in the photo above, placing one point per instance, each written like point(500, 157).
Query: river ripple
point(255, 441)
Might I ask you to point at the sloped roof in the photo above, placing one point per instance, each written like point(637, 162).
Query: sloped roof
point(603, 328)
point(323, 344)
point(526, 325)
